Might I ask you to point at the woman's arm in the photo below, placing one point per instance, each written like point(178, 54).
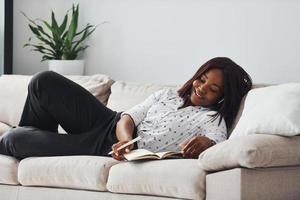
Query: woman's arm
point(129, 120)
point(125, 128)
point(124, 132)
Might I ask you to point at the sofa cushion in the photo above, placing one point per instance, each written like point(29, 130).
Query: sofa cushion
point(78, 172)
point(271, 110)
point(8, 170)
point(99, 85)
point(3, 128)
point(13, 92)
point(252, 151)
point(125, 95)
point(180, 178)
point(241, 108)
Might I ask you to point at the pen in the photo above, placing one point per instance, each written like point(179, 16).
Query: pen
point(127, 144)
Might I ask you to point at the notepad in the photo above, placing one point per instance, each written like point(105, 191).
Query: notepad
point(143, 154)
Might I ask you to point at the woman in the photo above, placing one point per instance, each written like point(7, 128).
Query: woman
point(191, 119)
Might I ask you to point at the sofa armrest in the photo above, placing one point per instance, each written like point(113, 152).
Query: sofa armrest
point(258, 184)
point(252, 151)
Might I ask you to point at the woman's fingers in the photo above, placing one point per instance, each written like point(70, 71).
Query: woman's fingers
point(191, 151)
point(118, 154)
point(115, 149)
point(183, 144)
point(127, 150)
point(119, 157)
point(188, 144)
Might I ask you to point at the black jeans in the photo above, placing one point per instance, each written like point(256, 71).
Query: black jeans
point(55, 100)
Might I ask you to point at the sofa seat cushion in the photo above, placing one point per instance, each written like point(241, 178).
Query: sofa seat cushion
point(8, 170)
point(252, 151)
point(78, 172)
point(180, 178)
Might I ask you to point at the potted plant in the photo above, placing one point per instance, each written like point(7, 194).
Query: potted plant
point(60, 44)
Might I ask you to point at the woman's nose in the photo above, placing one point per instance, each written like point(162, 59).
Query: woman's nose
point(202, 89)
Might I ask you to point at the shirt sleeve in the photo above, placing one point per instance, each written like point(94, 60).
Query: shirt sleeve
point(213, 130)
point(139, 112)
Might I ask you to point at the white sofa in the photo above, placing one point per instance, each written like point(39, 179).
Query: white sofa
point(253, 167)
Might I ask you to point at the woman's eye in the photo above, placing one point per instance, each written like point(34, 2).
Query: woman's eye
point(202, 80)
point(214, 90)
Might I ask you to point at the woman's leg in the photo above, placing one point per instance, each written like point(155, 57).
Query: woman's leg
point(53, 99)
point(23, 142)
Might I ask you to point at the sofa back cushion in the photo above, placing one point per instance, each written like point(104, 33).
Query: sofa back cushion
point(125, 95)
point(13, 93)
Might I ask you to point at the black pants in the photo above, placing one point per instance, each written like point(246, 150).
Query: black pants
point(55, 100)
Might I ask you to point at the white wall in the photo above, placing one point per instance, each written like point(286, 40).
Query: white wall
point(165, 41)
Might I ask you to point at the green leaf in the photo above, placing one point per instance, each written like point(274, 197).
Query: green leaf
point(73, 25)
point(30, 20)
point(87, 27)
point(85, 35)
point(45, 57)
point(47, 25)
point(55, 32)
point(40, 48)
point(40, 28)
point(34, 30)
point(63, 26)
point(54, 23)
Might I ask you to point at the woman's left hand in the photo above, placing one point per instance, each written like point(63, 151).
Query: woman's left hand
point(194, 146)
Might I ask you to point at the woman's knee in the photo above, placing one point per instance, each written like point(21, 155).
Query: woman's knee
point(41, 79)
point(12, 140)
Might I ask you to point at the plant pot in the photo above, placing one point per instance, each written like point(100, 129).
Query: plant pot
point(67, 67)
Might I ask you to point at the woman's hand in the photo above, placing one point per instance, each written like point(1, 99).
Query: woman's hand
point(194, 146)
point(124, 132)
point(119, 154)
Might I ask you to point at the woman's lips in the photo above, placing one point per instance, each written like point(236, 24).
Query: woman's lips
point(197, 94)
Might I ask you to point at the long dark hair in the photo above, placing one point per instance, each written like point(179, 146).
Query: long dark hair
point(236, 82)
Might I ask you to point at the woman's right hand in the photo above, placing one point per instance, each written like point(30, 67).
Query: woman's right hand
point(119, 154)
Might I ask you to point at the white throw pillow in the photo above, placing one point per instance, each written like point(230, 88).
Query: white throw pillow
point(271, 110)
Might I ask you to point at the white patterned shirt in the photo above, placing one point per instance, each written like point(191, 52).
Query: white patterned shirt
point(163, 126)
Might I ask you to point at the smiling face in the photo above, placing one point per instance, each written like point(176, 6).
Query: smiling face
point(207, 89)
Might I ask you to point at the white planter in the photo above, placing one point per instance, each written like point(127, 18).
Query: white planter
point(67, 67)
